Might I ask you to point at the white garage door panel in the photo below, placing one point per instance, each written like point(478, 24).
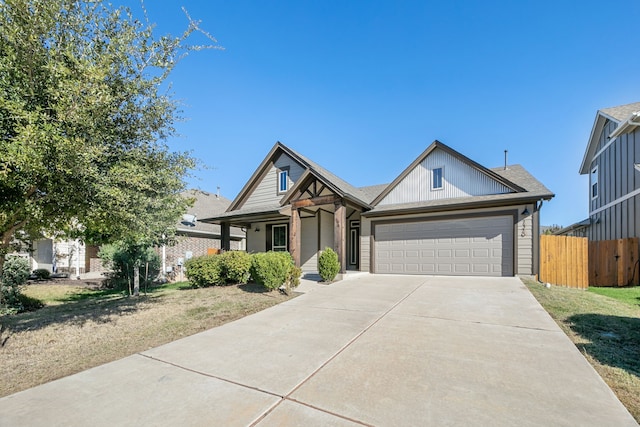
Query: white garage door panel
point(472, 246)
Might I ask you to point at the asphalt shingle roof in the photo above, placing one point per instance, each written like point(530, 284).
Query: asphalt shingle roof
point(204, 206)
point(621, 112)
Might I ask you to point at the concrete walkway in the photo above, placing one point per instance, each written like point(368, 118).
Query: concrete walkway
point(370, 350)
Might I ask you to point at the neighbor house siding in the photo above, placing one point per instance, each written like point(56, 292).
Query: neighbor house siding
point(459, 180)
point(612, 215)
point(266, 193)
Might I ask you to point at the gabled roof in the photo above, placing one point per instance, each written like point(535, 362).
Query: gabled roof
point(439, 145)
point(532, 191)
point(623, 115)
point(337, 184)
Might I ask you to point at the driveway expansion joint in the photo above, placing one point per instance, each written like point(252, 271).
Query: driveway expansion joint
point(343, 348)
point(478, 322)
point(211, 376)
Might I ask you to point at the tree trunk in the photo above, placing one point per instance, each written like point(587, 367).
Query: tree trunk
point(136, 280)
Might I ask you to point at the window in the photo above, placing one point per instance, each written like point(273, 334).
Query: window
point(283, 180)
point(594, 182)
point(437, 178)
point(279, 238)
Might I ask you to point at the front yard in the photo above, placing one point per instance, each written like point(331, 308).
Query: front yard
point(81, 328)
point(604, 323)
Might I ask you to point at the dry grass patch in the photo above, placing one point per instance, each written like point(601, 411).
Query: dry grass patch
point(80, 328)
point(607, 332)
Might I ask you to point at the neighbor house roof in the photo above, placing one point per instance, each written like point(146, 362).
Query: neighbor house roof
point(576, 226)
point(205, 204)
point(625, 116)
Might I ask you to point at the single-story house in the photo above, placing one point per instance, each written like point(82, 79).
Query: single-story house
point(445, 214)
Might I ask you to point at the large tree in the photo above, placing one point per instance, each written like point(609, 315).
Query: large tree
point(84, 113)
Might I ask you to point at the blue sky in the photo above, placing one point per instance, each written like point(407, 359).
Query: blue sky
point(363, 87)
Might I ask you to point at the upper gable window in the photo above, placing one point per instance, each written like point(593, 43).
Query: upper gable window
point(283, 180)
point(594, 182)
point(438, 179)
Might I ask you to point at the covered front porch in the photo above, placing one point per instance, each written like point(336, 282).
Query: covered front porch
point(312, 217)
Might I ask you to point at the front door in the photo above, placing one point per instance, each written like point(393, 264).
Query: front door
point(353, 260)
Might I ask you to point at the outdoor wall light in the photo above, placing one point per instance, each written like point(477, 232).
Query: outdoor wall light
point(257, 229)
point(525, 211)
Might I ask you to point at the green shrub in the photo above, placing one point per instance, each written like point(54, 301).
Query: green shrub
point(42, 274)
point(328, 265)
point(271, 269)
point(293, 279)
point(121, 258)
point(15, 272)
point(236, 266)
point(205, 271)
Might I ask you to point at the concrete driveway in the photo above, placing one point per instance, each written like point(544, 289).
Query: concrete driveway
point(372, 350)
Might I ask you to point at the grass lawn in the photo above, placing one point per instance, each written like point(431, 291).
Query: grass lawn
point(80, 328)
point(604, 323)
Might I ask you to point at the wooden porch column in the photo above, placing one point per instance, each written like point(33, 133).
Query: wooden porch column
point(340, 234)
point(225, 236)
point(294, 236)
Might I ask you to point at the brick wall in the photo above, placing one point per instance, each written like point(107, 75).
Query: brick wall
point(198, 246)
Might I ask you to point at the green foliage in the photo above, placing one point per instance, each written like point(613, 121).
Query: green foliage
point(230, 267)
point(83, 117)
point(42, 274)
point(205, 271)
point(236, 266)
point(328, 264)
point(272, 269)
point(15, 273)
point(121, 258)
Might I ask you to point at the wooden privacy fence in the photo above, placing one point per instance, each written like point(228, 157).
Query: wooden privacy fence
point(577, 263)
point(614, 263)
point(564, 261)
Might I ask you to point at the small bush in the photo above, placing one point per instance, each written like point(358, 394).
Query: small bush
point(205, 271)
point(236, 266)
point(328, 265)
point(42, 274)
point(15, 273)
point(271, 269)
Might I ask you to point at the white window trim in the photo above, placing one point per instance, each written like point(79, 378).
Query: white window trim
point(280, 172)
point(441, 179)
point(273, 238)
point(594, 171)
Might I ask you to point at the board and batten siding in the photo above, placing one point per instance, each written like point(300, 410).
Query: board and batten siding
point(266, 193)
point(459, 179)
point(613, 214)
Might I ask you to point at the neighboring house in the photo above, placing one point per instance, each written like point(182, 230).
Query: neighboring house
point(579, 229)
point(59, 256)
point(197, 238)
point(444, 214)
point(612, 161)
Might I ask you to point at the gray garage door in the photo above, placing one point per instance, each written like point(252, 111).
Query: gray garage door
point(463, 247)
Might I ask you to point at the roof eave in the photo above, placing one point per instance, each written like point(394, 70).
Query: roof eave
point(463, 205)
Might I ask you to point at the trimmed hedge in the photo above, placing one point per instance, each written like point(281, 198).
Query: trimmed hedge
point(219, 270)
point(274, 269)
point(328, 264)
